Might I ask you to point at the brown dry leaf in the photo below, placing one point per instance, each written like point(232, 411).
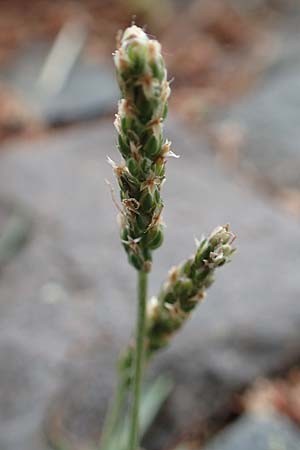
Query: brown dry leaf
point(281, 395)
point(289, 200)
point(229, 137)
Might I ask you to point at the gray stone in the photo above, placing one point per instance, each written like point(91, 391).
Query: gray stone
point(282, 6)
point(68, 299)
point(89, 92)
point(268, 117)
point(259, 433)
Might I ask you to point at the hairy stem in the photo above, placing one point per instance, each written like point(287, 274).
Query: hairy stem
point(138, 361)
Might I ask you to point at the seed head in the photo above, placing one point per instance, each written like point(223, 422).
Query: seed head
point(186, 286)
point(142, 109)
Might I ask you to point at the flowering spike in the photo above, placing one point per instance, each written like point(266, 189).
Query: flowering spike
point(145, 90)
point(184, 289)
point(186, 286)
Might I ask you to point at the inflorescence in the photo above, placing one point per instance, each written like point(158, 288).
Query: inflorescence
point(142, 78)
point(184, 289)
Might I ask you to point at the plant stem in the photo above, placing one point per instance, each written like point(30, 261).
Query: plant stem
point(138, 362)
point(112, 418)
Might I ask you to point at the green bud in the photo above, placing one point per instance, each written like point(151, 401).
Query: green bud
point(124, 234)
point(157, 196)
point(133, 166)
point(160, 168)
point(156, 238)
point(200, 275)
point(136, 54)
point(202, 253)
point(221, 235)
point(170, 297)
point(125, 124)
point(147, 202)
point(165, 111)
point(187, 267)
point(123, 147)
point(135, 261)
point(184, 287)
point(142, 222)
point(209, 280)
point(158, 70)
point(188, 304)
point(158, 340)
point(151, 148)
point(227, 250)
point(146, 109)
point(146, 165)
point(147, 254)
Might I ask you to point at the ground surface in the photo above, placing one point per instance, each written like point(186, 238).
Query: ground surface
point(215, 51)
point(67, 298)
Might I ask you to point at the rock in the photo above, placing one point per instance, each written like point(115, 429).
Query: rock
point(90, 90)
point(259, 433)
point(68, 299)
point(268, 116)
point(282, 6)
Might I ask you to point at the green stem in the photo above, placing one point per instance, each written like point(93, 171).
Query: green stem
point(138, 361)
point(113, 415)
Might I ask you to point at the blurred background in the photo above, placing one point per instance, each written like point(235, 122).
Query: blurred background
point(56, 71)
point(65, 288)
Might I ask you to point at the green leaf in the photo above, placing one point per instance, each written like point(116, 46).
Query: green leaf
point(14, 236)
point(152, 400)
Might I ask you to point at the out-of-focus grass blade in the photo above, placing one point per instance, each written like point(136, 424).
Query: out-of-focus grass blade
point(59, 445)
point(14, 236)
point(152, 400)
point(183, 447)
